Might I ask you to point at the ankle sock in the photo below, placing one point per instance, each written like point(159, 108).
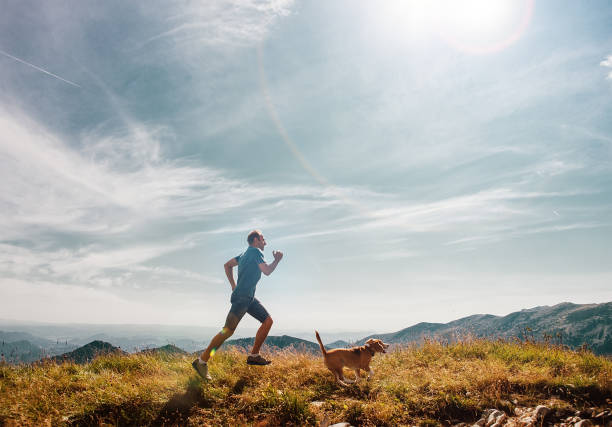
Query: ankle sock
point(200, 361)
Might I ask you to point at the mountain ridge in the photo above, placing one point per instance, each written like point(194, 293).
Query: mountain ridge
point(568, 323)
point(565, 323)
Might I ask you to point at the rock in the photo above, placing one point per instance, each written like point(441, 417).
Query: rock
point(487, 412)
point(541, 412)
point(500, 420)
point(583, 423)
point(492, 418)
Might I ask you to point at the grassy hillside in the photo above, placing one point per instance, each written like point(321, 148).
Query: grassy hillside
point(431, 384)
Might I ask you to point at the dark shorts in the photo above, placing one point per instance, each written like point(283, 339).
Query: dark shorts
point(243, 305)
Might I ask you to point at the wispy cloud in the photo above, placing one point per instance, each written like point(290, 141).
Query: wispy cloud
point(608, 64)
point(506, 233)
point(478, 208)
point(120, 182)
point(482, 217)
point(223, 23)
point(115, 183)
point(95, 266)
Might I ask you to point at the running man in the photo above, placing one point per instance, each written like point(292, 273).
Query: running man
point(250, 266)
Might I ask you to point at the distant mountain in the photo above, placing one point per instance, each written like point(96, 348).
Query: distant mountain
point(338, 344)
point(167, 349)
point(566, 323)
point(138, 343)
point(22, 347)
point(20, 351)
point(8, 337)
point(284, 341)
point(89, 352)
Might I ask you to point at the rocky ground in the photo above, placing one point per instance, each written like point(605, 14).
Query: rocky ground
point(543, 415)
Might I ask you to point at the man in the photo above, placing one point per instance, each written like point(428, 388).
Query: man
point(250, 266)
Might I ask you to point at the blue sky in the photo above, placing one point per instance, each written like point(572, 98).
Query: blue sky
point(415, 161)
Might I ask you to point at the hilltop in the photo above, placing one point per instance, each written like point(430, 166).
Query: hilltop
point(279, 342)
point(166, 349)
point(435, 383)
point(89, 352)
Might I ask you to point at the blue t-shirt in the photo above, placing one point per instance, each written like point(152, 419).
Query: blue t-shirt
point(248, 271)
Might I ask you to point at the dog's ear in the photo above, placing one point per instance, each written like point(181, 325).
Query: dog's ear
point(370, 341)
point(378, 345)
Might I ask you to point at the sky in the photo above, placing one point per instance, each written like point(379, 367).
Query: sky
point(414, 161)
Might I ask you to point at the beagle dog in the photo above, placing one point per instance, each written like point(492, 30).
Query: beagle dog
point(355, 358)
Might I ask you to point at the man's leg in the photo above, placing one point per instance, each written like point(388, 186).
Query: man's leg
point(200, 364)
point(231, 323)
point(262, 333)
point(260, 313)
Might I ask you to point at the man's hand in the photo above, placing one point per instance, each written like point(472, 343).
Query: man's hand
point(267, 269)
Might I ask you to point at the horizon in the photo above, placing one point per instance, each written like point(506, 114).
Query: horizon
point(415, 161)
point(6, 322)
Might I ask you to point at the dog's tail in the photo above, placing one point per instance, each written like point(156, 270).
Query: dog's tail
point(320, 343)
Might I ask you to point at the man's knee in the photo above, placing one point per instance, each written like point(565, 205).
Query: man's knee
point(231, 323)
point(227, 332)
point(268, 321)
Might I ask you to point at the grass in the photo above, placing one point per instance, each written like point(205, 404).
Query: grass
point(431, 384)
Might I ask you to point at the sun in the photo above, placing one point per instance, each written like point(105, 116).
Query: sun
point(472, 26)
point(484, 26)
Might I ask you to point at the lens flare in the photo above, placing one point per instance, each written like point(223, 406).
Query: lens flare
point(291, 145)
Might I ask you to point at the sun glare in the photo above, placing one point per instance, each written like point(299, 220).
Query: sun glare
point(474, 26)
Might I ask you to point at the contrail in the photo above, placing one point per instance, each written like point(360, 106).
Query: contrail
point(38, 68)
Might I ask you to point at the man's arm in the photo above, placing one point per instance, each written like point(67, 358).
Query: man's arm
point(267, 269)
point(229, 271)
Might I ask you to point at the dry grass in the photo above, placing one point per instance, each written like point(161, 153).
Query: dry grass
point(431, 384)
